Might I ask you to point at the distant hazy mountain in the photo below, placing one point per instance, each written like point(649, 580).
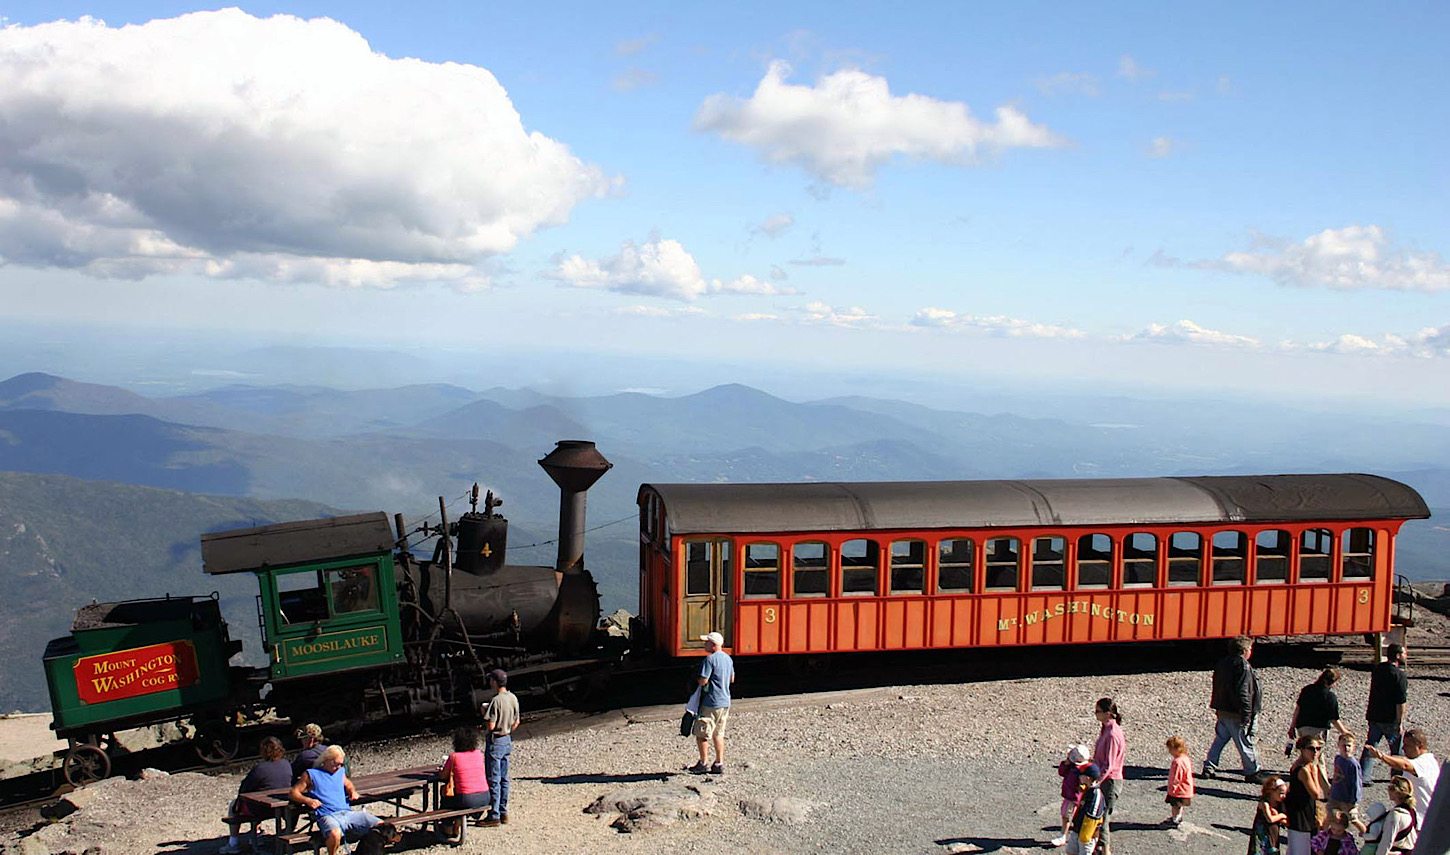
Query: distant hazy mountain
point(66, 542)
point(317, 412)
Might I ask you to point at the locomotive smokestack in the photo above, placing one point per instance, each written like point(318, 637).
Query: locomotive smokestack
point(575, 465)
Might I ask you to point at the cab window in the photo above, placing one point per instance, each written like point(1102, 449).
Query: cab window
point(908, 566)
point(300, 598)
point(1271, 556)
point(354, 589)
point(1004, 563)
point(1358, 553)
point(1315, 547)
point(1049, 556)
point(1140, 560)
point(1185, 558)
point(1094, 561)
point(809, 573)
point(762, 570)
point(954, 566)
point(1230, 557)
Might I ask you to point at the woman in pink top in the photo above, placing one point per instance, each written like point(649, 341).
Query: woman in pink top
point(464, 769)
point(1108, 754)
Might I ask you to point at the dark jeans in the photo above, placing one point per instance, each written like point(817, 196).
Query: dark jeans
point(496, 761)
point(1386, 730)
point(467, 800)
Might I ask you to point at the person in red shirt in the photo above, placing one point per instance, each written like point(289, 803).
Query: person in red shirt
point(1180, 780)
point(464, 772)
point(1108, 754)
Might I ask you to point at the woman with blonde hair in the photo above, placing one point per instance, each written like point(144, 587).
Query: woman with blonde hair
point(1393, 829)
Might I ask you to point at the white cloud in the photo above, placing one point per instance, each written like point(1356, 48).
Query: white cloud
point(1175, 96)
point(817, 261)
point(848, 125)
point(659, 268)
point(1130, 70)
point(775, 225)
point(633, 47)
point(1160, 147)
point(659, 311)
point(1188, 332)
point(755, 316)
point(1427, 343)
point(221, 144)
point(778, 273)
point(996, 325)
point(817, 312)
point(1066, 82)
point(1350, 258)
point(633, 78)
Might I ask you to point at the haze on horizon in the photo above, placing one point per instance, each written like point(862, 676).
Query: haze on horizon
point(1180, 202)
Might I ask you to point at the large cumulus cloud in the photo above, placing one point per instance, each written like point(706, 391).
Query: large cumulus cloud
point(277, 148)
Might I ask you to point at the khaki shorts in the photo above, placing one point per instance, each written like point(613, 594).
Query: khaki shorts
point(711, 722)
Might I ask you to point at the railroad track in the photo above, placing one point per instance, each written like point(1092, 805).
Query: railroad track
point(1359, 654)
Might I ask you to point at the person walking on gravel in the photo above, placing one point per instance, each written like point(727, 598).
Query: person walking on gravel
point(500, 717)
point(1385, 712)
point(1235, 703)
point(1108, 755)
point(717, 673)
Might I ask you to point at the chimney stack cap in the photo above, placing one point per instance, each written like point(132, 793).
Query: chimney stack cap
point(575, 464)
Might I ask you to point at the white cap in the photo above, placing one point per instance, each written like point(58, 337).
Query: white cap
point(1079, 754)
point(715, 637)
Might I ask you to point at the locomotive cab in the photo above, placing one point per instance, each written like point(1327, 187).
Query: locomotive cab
point(327, 596)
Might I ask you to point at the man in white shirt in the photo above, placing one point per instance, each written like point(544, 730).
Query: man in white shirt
point(1418, 766)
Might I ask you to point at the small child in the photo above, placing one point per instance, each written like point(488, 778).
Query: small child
point(1335, 839)
point(1077, 757)
point(1089, 813)
point(1180, 780)
point(1347, 787)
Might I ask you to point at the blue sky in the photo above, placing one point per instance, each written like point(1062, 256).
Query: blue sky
point(1225, 195)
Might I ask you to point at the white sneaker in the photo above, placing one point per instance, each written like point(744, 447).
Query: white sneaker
point(1058, 841)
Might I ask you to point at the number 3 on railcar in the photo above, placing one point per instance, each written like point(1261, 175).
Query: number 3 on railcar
point(816, 569)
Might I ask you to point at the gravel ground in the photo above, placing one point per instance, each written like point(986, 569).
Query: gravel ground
point(911, 769)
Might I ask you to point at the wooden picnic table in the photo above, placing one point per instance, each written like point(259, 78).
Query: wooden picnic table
point(394, 788)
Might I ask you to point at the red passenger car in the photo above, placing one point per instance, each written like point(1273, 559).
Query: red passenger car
point(813, 568)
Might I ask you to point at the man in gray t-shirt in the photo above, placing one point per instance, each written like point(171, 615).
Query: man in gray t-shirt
point(500, 718)
point(717, 672)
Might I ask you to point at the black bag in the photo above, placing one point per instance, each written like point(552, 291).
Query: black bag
point(687, 723)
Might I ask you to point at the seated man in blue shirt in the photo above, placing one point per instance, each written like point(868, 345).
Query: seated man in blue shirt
point(329, 793)
point(717, 672)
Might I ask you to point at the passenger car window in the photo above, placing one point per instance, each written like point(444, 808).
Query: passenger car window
point(1003, 564)
point(954, 566)
point(1314, 550)
point(697, 568)
point(1094, 561)
point(1271, 561)
point(810, 574)
point(1140, 560)
point(1230, 557)
point(860, 567)
point(762, 570)
point(1358, 551)
point(1049, 563)
point(908, 566)
point(1185, 558)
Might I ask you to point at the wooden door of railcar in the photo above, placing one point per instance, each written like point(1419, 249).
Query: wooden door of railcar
point(708, 569)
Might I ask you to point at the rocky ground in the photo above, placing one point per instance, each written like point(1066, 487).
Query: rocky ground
point(903, 769)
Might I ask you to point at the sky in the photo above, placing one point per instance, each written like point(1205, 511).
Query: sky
point(1234, 196)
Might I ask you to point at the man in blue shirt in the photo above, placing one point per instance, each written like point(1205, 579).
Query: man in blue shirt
point(717, 672)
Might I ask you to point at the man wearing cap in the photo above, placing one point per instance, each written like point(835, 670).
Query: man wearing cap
point(717, 672)
point(500, 718)
point(310, 757)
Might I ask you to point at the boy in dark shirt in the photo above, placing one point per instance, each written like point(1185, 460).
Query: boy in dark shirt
point(1089, 814)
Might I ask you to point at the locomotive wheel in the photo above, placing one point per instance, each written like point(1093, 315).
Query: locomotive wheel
point(86, 764)
point(215, 742)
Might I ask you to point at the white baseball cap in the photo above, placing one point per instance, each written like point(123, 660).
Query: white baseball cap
point(715, 637)
point(1079, 755)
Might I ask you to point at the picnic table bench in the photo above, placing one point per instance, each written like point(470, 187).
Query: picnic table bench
point(395, 788)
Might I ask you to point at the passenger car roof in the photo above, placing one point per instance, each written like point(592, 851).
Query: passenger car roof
point(866, 506)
